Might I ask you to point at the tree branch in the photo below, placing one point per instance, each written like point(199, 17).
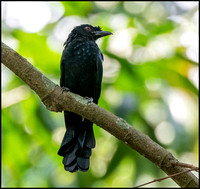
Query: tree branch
point(56, 100)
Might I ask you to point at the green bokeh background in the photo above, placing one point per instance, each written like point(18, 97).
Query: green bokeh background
point(150, 79)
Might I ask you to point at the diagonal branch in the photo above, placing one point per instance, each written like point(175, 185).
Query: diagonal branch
point(56, 100)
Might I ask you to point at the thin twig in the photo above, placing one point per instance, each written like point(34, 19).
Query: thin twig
point(169, 176)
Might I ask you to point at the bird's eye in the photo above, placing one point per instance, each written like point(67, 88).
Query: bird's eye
point(88, 28)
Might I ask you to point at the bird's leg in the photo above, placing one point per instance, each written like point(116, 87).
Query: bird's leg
point(90, 100)
point(65, 89)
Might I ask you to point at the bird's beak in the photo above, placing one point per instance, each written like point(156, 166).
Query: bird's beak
point(101, 33)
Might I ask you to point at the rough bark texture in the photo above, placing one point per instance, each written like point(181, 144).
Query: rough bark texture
point(56, 100)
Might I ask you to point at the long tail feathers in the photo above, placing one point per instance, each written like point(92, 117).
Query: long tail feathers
point(77, 143)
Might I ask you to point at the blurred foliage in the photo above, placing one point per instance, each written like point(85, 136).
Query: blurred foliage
point(150, 79)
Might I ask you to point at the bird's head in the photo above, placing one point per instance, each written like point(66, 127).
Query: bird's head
point(86, 31)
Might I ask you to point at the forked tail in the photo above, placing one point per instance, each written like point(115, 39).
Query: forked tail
point(77, 143)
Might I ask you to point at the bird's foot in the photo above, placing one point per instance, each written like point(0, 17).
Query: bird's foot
point(83, 119)
point(65, 89)
point(90, 100)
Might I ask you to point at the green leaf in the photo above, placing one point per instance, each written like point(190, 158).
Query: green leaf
point(81, 8)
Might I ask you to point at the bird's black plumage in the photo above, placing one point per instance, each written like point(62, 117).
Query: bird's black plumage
point(81, 72)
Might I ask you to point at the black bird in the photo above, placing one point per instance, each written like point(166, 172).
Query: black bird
point(81, 73)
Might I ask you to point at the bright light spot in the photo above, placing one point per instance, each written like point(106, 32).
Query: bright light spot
point(155, 12)
point(187, 5)
point(11, 42)
point(61, 32)
point(54, 44)
point(154, 112)
point(141, 54)
point(15, 95)
point(57, 10)
point(58, 135)
point(31, 16)
point(192, 54)
point(160, 47)
point(65, 26)
point(177, 18)
point(180, 107)
point(111, 68)
point(165, 133)
point(112, 96)
point(194, 76)
point(189, 157)
point(6, 76)
point(189, 38)
point(154, 84)
point(118, 18)
point(195, 18)
point(106, 4)
point(122, 39)
point(134, 7)
point(98, 167)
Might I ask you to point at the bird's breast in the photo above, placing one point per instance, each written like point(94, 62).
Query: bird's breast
point(85, 50)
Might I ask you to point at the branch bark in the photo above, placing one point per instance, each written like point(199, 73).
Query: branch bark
point(56, 100)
